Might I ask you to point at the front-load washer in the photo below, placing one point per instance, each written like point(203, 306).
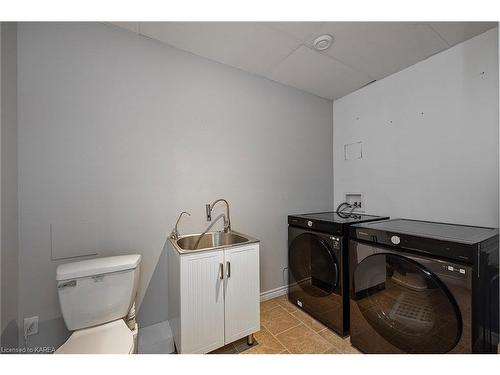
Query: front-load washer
point(423, 287)
point(317, 265)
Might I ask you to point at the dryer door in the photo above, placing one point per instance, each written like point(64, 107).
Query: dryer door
point(313, 265)
point(407, 305)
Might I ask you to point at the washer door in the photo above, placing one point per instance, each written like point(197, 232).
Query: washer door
point(406, 304)
point(313, 265)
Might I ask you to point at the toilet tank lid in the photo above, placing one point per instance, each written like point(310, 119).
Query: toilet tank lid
point(97, 266)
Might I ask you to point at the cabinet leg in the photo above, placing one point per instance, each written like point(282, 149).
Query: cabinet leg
point(250, 339)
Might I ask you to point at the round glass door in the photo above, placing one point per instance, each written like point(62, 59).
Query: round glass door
point(313, 265)
point(406, 304)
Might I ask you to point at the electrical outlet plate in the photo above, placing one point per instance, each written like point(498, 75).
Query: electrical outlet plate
point(31, 326)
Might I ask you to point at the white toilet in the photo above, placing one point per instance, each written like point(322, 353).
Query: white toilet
point(96, 296)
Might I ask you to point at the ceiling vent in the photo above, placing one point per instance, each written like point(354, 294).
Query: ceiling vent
point(323, 42)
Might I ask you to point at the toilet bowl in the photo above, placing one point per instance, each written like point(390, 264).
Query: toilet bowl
point(97, 303)
point(110, 338)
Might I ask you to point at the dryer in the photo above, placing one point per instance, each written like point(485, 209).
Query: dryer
point(423, 287)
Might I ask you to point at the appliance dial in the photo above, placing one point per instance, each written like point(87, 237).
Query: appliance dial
point(395, 240)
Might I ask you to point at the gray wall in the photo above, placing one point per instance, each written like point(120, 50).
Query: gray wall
point(9, 208)
point(430, 138)
point(118, 134)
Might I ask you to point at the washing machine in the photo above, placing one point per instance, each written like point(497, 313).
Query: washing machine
point(423, 287)
point(317, 265)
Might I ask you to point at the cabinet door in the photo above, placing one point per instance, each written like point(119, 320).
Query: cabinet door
point(241, 292)
point(202, 302)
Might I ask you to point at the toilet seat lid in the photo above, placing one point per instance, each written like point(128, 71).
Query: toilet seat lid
point(110, 338)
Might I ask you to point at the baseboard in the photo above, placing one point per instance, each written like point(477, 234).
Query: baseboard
point(273, 293)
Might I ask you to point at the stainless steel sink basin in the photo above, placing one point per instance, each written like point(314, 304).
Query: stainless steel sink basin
point(211, 240)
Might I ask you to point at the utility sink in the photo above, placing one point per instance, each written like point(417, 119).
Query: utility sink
point(211, 240)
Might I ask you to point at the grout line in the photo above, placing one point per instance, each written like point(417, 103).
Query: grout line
point(331, 345)
point(283, 345)
point(288, 329)
point(308, 325)
point(272, 308)
point(274, 336)
point(316, 332)
point(341, 349)
point(301, 323)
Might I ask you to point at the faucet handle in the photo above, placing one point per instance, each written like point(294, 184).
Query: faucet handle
point(208, 209)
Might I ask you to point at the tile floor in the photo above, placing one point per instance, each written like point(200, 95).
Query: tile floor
point(287, 330)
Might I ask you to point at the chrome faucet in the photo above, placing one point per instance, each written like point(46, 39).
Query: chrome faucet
point(175, 233)
point(210, 227)
point(227, 219)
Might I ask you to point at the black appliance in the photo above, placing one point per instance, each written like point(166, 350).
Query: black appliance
point(423, 287)
point(318, 277)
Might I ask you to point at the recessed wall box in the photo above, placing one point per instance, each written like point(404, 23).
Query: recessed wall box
point(353, 151)
point(355, 199)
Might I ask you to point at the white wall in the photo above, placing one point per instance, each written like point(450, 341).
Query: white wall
point(120, 133)
point(430, 138)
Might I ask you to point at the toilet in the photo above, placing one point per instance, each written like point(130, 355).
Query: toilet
point(97, 303)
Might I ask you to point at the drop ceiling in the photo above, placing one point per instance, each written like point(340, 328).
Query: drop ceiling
point(282, 51)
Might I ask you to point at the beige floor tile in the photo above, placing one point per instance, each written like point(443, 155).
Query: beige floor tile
point(267, 344)
point(334, 339)
point(349, 349)
point(277, 320)
point(268, 305)
point(286, 304)
point(302, 340)
point(308, 320)
point(333, 351)
point(342, 345)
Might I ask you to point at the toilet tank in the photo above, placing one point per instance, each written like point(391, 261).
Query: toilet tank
point(97, 291)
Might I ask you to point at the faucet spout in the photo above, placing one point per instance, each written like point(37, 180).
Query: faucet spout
point(208, 228)
point(227, 219)
point(175, 233)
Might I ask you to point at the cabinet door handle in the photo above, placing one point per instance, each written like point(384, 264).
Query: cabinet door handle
point(228, 268)
point(221, 271)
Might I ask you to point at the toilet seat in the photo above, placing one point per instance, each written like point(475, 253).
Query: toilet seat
point(110, 338)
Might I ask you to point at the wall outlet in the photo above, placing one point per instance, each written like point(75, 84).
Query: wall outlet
point(30, 326)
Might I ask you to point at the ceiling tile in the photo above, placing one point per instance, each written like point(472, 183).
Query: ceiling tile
point(457, 32)
point(249, 46)
point(303, 31)
point(314, 72)
point(361, 52)
point(382, 48)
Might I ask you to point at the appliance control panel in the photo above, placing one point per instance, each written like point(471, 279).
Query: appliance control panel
point(455, 269)
point(316, 225)
point(335, 242)
point(446, 249)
